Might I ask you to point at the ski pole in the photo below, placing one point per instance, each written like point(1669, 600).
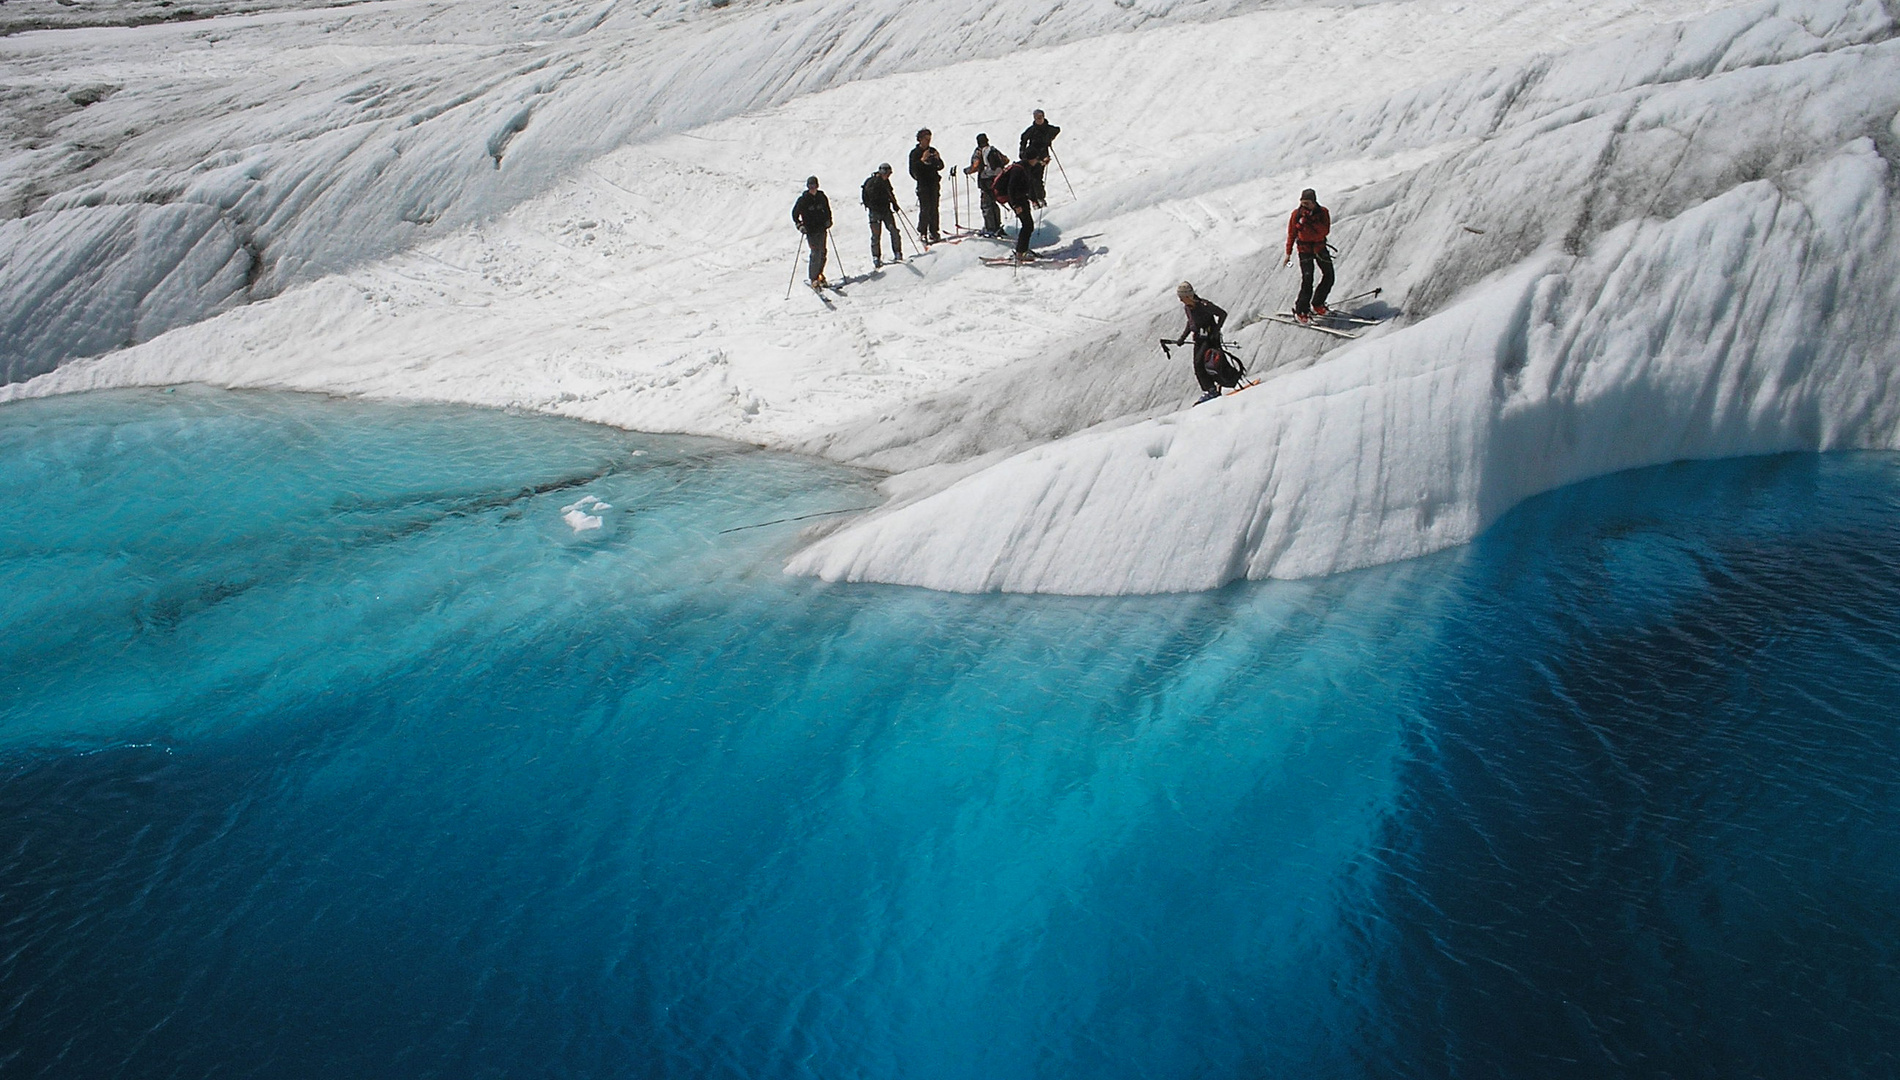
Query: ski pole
point(956, 202)
point(1063, 171)
point(904, 216)
point(794, 278)
point(839, 255)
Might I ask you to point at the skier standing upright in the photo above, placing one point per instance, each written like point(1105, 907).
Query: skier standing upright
point(881, 202)
point(1035, 146)
point(812, 214)
point(1204, 321)
point(986, 161)
point(926, 167)
point(1307, 229)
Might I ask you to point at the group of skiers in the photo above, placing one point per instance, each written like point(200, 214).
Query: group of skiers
point(1019, 185)
point(1001, 182)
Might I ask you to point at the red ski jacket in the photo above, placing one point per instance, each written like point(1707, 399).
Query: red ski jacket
point(1308, 229)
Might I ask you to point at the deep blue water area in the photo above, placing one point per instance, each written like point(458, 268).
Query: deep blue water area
point(328, 748)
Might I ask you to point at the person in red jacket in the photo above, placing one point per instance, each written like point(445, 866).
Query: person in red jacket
point(1307, 230)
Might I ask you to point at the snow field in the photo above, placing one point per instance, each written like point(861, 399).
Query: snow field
point(646, 290)
point(1545, 221)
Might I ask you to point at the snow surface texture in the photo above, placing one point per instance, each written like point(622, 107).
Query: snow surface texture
point(171, 171)
point(1615, 241)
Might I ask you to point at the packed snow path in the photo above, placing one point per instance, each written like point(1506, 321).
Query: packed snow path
point(1616, 241)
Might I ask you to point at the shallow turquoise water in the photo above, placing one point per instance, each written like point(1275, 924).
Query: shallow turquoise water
point(328, 748)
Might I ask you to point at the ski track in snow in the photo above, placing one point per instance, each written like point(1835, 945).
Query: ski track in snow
point(1615, 241)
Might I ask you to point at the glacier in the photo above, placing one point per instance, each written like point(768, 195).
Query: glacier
point(1619, 236)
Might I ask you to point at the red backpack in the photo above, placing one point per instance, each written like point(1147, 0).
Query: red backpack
point(999, 186)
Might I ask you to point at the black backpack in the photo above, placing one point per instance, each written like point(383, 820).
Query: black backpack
point(865, 193)
point(1222, 366)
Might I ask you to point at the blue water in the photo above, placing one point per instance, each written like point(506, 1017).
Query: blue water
point(327, 749)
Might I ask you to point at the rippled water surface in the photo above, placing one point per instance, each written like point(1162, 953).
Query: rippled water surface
point(329, 748)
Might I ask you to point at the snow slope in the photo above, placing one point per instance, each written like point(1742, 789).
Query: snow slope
point(157, 175)
point(1616, 240)
point(1690, 253)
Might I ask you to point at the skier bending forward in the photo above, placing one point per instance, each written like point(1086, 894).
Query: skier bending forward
point(1212, 369)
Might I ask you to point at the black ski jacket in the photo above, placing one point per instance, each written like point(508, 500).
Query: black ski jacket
point(1037, 137)
point(878, 196)
point(927, 172)
point(812, 212)
point(1204, 320)
point(1013, 185)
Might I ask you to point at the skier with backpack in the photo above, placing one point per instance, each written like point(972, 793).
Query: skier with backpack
point(1013, 186)
point(986, 161)
point(1212, 368)
point(1307, 229)
point(812, 215)
point(881, 202)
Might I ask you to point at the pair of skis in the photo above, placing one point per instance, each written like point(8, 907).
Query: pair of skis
point(836, 288)
point(1339, 324)
point(1044, 262)
point(1074, 253)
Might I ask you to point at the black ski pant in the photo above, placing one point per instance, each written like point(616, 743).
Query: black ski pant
point(992, 211)
point(815, 239)
point(1308, 294)
point(1036, 193)
point(882, 220)
point(927, 226)
point(1025, 224)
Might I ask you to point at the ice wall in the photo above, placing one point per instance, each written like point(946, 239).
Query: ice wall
point(1661, 250)
point(1614, 240)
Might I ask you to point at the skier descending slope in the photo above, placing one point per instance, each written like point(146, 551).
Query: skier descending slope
point(881, 201)
point(1307, 229)
point(1013, 186)
point(1035, 148)
point(1204, 321)
point(812, 215)
point(926, 167)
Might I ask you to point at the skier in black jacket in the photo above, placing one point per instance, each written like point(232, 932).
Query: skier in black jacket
point(1013, 186)
point(812, 214)
point(1204, 320)
point(881, 201)
point(926, 167)
point(1035, 146)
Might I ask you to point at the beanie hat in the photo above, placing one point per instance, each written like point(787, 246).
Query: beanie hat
point(886, 167)
point(1309, 194)
point(811, 181)
point(1184, 290)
